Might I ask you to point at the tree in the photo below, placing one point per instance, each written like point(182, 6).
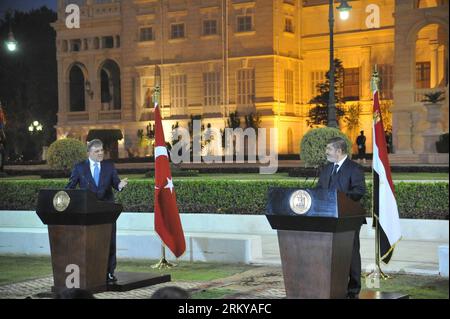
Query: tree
point(28, 81)
point(318, 115)
point(352, 119)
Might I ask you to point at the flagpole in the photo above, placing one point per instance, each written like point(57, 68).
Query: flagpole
point(377, 273)
point(162, 263)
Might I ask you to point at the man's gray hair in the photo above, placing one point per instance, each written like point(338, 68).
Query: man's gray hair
point(94, 143)
point(338, 144)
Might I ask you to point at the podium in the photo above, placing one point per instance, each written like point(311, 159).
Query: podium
point(79, 228)
point(315, 229)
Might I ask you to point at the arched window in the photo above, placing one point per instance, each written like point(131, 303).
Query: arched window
point(430, 3)
point(110, 86)
point(76, 89)
point(431, 58)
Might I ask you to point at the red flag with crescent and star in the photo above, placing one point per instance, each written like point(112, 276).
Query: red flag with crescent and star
point(167, 218)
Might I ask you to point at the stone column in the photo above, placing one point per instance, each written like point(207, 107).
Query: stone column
point(418, 127)
point(431, 135)
point(92, 104)
point(434, 64)
point(401, 131)
point(366, 76)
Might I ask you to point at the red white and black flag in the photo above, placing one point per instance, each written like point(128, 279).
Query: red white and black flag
point(167, 218)
point(385, 211)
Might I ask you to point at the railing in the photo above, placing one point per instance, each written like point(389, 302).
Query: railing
point(82, 116)
point(95, 10)
point(106, 9)
point(114, 115)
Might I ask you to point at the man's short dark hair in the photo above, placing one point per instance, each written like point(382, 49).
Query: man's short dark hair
point(75, 293)
point(171, 292)
point(94, 143)
point(338, 143)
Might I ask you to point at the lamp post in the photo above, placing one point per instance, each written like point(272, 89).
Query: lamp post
point(344, 12)
point(35, 127)
point(10, 43)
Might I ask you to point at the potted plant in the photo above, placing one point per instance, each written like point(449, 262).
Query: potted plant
point(432, 101)
point(434, 97)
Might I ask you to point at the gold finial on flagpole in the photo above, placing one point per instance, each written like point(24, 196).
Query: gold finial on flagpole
point(157, 88)
point(375, 80)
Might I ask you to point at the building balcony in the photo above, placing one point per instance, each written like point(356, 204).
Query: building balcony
point(91, 9)
point(81, 116)
point(109, 116)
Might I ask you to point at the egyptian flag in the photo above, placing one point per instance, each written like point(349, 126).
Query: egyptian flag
point(167, 218)
point(385, 211)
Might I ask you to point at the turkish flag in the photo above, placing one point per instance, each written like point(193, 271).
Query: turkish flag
point(167, 218)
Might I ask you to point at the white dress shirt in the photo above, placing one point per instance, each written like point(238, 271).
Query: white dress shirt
point(340, 163)
point(91, 166)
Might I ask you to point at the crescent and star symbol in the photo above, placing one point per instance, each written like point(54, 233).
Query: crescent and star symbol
point(162, 151)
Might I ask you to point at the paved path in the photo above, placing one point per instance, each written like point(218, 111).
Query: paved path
point(410, 256)
point(260, 282)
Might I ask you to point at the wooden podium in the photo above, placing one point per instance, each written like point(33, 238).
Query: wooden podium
point(315, 234)
point(79, 228)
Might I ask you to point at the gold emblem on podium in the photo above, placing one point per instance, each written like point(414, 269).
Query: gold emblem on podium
point(300, 202)
point(61, 201)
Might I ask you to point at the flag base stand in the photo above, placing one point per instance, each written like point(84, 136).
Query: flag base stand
point(378, 274)
point(163, 264)
point(375, 294)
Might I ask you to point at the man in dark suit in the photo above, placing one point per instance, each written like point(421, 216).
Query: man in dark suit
point(345, 175)
point(99, 177)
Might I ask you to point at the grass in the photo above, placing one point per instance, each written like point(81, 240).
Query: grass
point(186, 271)
point(16, 269)
point(20, 268)
point(256, 176)
point(417, 287)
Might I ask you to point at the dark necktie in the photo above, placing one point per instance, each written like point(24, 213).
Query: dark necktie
point(335, 169)
point(333, 174)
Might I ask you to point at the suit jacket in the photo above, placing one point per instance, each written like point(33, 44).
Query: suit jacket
point(81, 175)
point(349, 179)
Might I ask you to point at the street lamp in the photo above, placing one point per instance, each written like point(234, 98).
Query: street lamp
point(344, 12)
point(11, 43)
point(35, 126)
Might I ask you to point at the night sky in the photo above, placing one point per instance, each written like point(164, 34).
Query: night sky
point(25, 5)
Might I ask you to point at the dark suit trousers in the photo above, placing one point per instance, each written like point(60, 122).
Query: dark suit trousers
point(354, 283)
point(112, 261)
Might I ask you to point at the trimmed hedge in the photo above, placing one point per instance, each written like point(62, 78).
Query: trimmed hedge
point(415, 200)
point(314, 142)
point(65, 153)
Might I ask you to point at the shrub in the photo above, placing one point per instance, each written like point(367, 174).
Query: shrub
point(65, 153)
point(312, 147)
point(414, 200)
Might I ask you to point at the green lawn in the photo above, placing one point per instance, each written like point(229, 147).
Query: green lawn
point(417, 287)
point(20, 268)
